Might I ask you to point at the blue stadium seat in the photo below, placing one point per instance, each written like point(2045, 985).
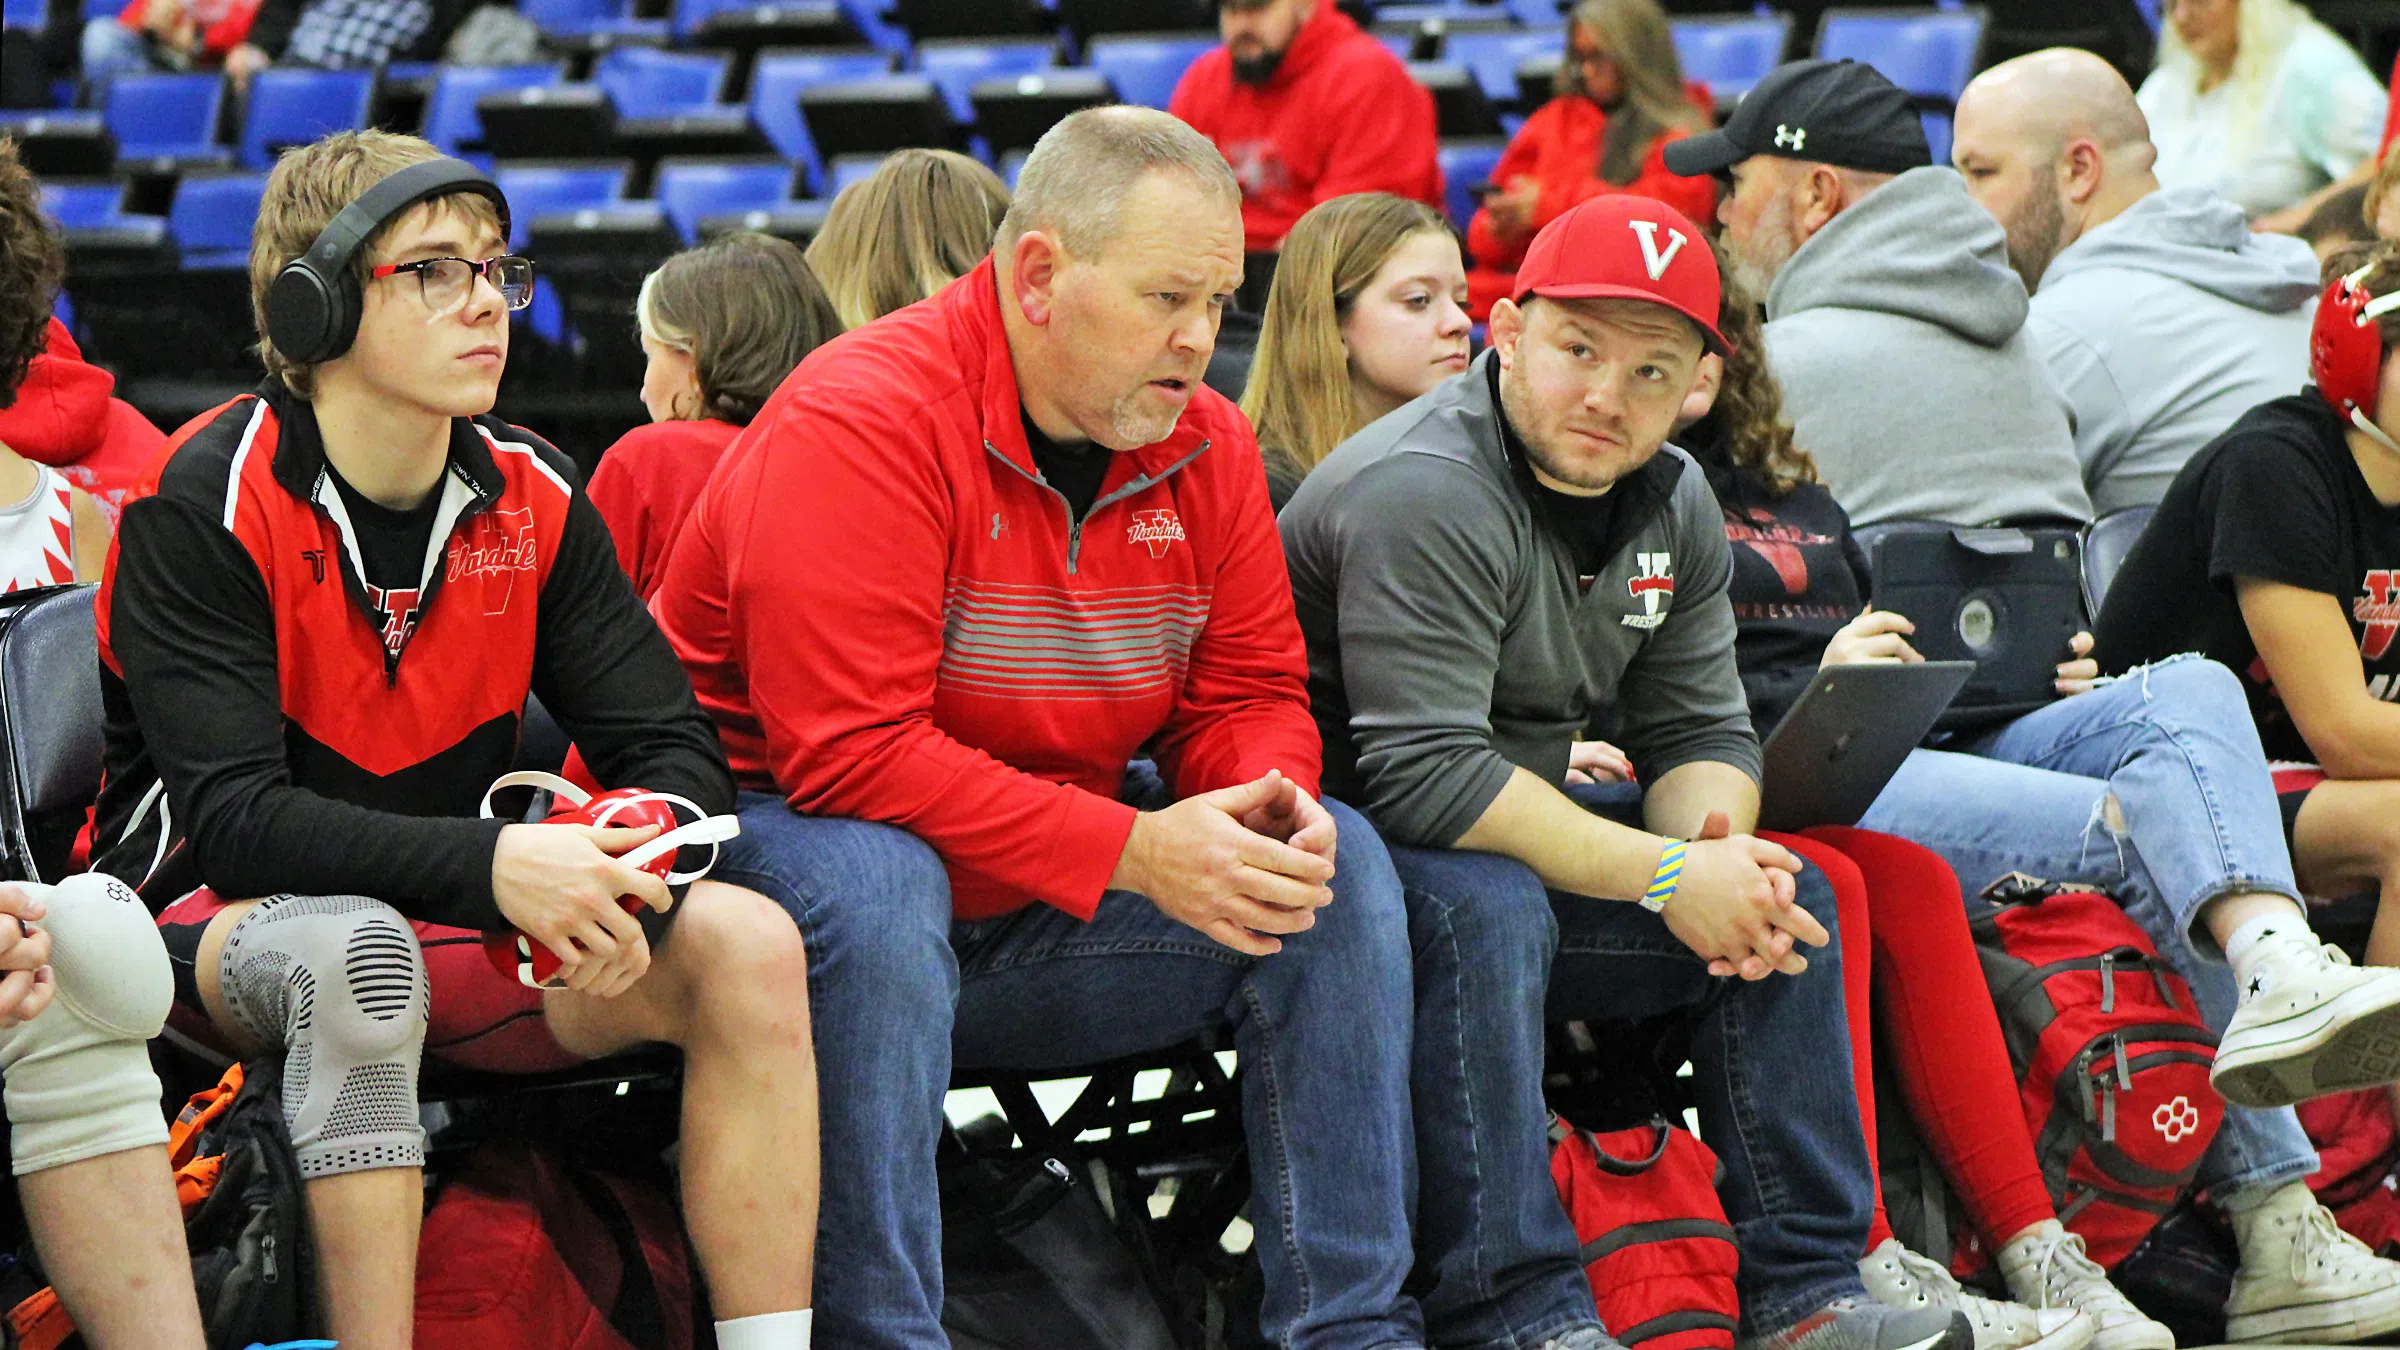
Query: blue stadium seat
point(1534, 13)
point(849, 169)
point(1466, 166)
point(1494, 57)
point(291, 106)
point(101, 9)
point(541, 189)
point(1731, 53)
point(1937, 135)
point(693, 189)
point(27, 14)
point(590, 18)
point(646, 82)
point(871, 19)
point(1012, 164)
point(450, 120)
point(213, 216)
point(164, 115)
point(76, 203)
point(775, 85)
point(955, 64)
point(1929, 52)
point(1146, 68)
point(1402, 45)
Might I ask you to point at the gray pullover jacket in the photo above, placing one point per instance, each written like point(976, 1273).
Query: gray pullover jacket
point(2163, 326)
point(1449, 639)
point(1897, 332)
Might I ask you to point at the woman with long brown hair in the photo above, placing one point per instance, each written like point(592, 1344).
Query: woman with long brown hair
point(721, 324)
point(1365, 315)
point(922, 220)
point(1621, 98)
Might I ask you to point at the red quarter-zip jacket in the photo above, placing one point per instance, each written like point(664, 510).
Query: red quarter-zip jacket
point(1339, 115)
point(891, 619)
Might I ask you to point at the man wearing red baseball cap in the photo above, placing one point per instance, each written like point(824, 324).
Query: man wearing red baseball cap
point(1478, 576)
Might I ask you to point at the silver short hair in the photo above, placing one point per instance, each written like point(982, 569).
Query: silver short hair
point(1082, 169)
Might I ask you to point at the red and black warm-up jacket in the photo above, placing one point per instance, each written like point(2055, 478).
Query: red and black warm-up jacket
point(270, 728)
point(949, 654)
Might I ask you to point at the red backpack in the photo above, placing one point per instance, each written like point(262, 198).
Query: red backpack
point(1656, 1246)
point(523, 1251)
point(2111, 1056)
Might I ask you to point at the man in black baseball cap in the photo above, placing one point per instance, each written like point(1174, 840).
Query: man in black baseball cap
point(1830, 112)
point(1894, 322)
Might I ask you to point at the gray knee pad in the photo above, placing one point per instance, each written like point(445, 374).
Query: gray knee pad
point(79, 1079)
point(338, 981)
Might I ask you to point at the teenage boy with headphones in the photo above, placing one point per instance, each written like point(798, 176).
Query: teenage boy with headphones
point(318, 628)
point(2277, 553)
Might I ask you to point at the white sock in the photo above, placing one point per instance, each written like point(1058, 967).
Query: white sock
point(2247, 947)
point(767, 1331)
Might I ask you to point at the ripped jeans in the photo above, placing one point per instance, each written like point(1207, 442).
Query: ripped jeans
point(2175, 744)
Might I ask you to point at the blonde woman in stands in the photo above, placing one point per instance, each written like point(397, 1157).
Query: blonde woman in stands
point(722, 324)
point(1367, 313)
point(2259, 101)
point(1621, 98)
point(923, 220)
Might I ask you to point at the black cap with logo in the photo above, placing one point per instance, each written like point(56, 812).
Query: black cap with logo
point(1830, 112)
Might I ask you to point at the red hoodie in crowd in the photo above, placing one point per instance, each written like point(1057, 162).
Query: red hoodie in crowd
point(65, 418)
point(891, 618)
point(1339, 115)
point(1559, 147)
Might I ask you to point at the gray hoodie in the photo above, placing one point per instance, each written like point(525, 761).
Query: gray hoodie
point(1897, 332)
point(2164, 325)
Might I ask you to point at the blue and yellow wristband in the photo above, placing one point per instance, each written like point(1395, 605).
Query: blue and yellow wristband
point(1663, 881)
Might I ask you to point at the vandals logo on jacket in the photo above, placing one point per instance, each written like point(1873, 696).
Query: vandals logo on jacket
point(499, 544)
point(1654, 586)
point(1160, 529)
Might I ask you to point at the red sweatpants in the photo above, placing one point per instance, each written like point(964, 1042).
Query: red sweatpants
point(1899, 903)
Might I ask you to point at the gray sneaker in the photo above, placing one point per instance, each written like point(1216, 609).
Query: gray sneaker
point(1860, 1323)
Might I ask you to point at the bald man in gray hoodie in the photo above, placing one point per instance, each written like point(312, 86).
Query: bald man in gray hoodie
point(2161, 316)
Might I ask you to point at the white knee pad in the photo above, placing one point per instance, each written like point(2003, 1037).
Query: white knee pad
point(79, 1078)
point(337, 980)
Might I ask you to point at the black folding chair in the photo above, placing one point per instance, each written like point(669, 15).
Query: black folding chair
point(50, 716)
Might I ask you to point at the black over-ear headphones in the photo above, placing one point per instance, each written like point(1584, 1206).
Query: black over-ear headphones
point(312, 309)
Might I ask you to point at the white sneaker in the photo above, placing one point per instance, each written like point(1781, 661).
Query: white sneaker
point(1899, 1278)
point(2309, 1024)
point(2047, 1268)
point(2303, 1279)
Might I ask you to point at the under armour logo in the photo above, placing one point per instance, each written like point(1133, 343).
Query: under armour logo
point(1657, 262)
point(999, 526)
point(2176, 1119)
point(1790, 138)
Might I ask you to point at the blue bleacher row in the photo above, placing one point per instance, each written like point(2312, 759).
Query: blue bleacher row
point(167, 125)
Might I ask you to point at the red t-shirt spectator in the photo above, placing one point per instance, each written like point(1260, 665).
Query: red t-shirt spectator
point(1559, 147)
point(1339, 115)
point(64, 417)
point(645, 485)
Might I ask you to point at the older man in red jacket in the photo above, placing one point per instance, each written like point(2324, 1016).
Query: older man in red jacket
point(1306, 108)
point(968, 562)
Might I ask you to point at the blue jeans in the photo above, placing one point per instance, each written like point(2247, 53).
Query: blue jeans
point(1989, 817)
point(899, 992)
point(1772, 1059)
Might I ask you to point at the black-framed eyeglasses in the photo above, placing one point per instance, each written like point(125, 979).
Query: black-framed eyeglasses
point(445, 282)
